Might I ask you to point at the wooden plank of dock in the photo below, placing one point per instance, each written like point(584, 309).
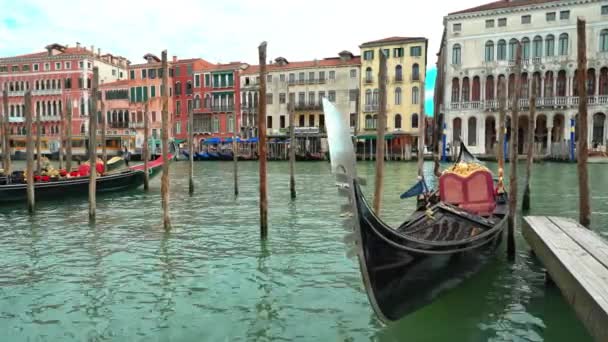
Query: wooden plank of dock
point(577, 261)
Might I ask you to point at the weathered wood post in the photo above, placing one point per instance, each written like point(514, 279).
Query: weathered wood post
point(235, 158)
point(514, 155)
point(582, 147)
point(61, 136)
point(104, 150)
point(379, 181)
point(422, 133)
point(525, 205)
point(502, 117)
point(93, 146)
point(164, 141)
point(190, 152)
point(68, 146)
point(262, 142)
point(6, 152)
point(29, 152)
point(38, 143)
point(292, 152)
point(145, 149)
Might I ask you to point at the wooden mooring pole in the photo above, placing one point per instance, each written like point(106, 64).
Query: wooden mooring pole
point(93, 146)
point(6, 152)
point(190, 152)
point(421, 134)
point(525, 204)
point(514, 154)
point(502, 129)
point(582, 145)
point(29, 152)
point(68, 146)
point(61, 136)
point(262, 143)
point(235, 159)
point(104, 150)
point(165, 143)
point(145, 149)
point(292, 152)
point(379, 181)
point(38, 143)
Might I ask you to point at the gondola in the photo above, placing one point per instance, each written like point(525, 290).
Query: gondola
point(130, 178)
point(226, 156)
point(440, 245)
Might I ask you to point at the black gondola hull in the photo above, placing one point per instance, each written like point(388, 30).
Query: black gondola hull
point(403, 275)
point(54, 190)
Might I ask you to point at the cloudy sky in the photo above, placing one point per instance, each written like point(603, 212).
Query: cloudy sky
point(220, 30)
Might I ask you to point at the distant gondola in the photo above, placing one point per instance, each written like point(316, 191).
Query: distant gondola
point(131, 178)
point(435, 249)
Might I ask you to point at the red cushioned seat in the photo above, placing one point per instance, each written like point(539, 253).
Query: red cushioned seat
point(474, 193)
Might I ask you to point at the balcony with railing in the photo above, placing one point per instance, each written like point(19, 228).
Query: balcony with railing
point(43, 92)
point(49, 118)
point(524, 103)
point(16, 93)
point(16, 119)
point(224, 108)
point(369, 80)
point(118, 124)
point(371, 107)
point(307, 106)
point(136, 125)
point(398, 79)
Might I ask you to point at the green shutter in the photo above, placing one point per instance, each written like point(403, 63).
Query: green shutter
point(216, 81)
point(207, 80)
point(152, 91)
point(145, 93)
point(132, 74)
point(132, 94)
point(138, 95)
point(230, 80)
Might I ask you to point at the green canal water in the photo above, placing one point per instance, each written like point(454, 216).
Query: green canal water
point(212, 279)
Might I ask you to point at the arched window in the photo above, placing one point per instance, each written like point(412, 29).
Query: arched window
point(82, 107)
point(43, 131)
point(456, 57)
point(512, 49)
point(550, 45)
point(490, 87)
point(603, 81)
point(501, 52)
point(537, 47)
point(489, 51)
point(197, 102)
point(397, 121)
point(398, 73)
point(414, 120)
point(189, 88)
point(54, 108)
point(604, 40)
point(375, 97)
point(466, 90)
point(415, 72)
point(397, 96)
point(208, 101)
point(369, 121)
point(476, 93)
point(561, 83)
point(525, 47)
point(563, 44)
point(368, 75)
point(48, 84)
point(82, 130)
point(368, 97)
point(177, 88)
point(415, 95)
point(472, 138)
point(43, 108)
point(455, 90)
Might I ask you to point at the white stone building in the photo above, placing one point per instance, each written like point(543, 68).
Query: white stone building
point(478, 49)
point(304, 83)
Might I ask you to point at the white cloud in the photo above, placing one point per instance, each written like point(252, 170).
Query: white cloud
point(227, 30)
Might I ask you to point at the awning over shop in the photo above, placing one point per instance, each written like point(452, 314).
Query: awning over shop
point(374, 137)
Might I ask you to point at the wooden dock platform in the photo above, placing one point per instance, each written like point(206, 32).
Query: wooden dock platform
point(576, 259)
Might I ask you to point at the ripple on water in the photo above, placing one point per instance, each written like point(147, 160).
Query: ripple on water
point(211, 278)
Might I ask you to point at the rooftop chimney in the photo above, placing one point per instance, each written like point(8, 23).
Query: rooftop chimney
point(93, 49)
point(77, 45)
point(174, 59)
point(98, 52)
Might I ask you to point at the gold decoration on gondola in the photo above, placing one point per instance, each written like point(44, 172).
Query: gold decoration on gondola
point(465, 169)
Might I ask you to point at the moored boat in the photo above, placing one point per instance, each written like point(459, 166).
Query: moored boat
point(451, 236)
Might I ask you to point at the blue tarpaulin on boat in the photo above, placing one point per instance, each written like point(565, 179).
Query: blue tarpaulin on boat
point(252, 140)
point(212, 141)
point(229, 140)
